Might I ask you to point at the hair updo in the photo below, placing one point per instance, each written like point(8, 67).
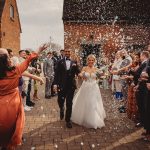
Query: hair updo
point(91, 56)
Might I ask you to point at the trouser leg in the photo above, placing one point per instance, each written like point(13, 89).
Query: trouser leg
point(69, 99)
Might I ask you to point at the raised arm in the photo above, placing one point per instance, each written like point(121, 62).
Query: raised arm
point(27, 74)
point(24, 65)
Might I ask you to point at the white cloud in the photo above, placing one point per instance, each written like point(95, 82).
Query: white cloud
point(40, 19)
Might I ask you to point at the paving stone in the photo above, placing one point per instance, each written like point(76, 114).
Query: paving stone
point(44, 131)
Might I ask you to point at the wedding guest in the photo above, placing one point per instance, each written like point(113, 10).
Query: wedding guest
point(105, 78)
point(26, 87)
point(126, 62)
point(147, 105)
point(48, 69)
point(28, 81)
point(16, 61)
point(116, 84)
point(62, 55)
point(141, 87)
point(11, 108)
point(132, 108)
point(55, 59)
point(13, 58)
point(36, 64)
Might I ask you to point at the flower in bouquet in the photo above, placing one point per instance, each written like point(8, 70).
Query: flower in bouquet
point(99, 73)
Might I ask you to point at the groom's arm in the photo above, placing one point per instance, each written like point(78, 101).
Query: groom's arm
point(77, 69)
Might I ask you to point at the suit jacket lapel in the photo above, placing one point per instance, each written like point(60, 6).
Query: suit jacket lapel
point(71, 63)
point(64, 63)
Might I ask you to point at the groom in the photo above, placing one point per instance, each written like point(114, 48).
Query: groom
point(65, 85)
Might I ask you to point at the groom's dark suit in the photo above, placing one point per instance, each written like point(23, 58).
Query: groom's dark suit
point(65, 80)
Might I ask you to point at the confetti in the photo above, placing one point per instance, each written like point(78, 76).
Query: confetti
point(93, 145)
point(32, 148)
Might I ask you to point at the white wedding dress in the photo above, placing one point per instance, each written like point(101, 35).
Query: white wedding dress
point(88, 107)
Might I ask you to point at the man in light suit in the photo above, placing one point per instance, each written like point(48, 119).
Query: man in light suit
point(48, 69)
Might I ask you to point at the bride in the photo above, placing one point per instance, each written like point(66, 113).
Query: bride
point(88, 107)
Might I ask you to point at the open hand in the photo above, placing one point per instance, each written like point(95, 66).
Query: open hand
point(42, 48)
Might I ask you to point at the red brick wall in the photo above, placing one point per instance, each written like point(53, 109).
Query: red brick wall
point(10, 28)
point(112, 35)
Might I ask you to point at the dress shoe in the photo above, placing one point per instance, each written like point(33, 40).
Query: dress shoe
point(61, 114)
point(30, 103)
point(68, 124)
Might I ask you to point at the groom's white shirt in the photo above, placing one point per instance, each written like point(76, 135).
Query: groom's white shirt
point(68, 63)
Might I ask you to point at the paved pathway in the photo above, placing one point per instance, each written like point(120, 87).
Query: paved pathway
point(44, 130)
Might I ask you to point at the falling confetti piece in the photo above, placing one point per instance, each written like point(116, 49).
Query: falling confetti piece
point(56, 146)
point(93, 146)
point(32, 148)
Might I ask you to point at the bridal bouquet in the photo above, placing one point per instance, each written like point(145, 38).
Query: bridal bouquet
point(99, 73)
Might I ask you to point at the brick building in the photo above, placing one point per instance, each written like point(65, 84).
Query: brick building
point(106, 24)
point(10, 27)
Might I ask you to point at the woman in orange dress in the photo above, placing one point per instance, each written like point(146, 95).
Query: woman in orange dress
point(11, 108)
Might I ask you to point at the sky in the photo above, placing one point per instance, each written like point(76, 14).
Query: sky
point(41, 21)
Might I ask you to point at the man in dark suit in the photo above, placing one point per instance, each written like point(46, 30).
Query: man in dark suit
point(65, 84)
point(61, 56)
point(141, 87)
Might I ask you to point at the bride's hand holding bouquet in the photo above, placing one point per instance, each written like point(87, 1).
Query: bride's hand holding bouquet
point(99, 73)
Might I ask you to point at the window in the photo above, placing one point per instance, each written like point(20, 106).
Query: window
point(11, 12)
